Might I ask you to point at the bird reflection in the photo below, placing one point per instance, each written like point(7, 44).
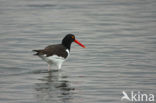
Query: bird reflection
point(54, 88)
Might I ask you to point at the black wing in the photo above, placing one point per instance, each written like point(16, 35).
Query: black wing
point(50, 50)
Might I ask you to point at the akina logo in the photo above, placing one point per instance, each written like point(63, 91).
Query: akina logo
point(137, 96)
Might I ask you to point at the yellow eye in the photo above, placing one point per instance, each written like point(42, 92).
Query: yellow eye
point(73, 37)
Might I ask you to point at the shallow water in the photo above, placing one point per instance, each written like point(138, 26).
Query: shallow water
point(120, 55)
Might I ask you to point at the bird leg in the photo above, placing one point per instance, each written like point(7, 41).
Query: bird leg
point(49, 67)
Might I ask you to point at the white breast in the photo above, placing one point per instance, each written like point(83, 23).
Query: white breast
point(68, 53)
point(57, 60)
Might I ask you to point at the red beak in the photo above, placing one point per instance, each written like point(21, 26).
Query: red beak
point(76, 41)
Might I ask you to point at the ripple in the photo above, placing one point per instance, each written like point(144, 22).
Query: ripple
point(120, 50)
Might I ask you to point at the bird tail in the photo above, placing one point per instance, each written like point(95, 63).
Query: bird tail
point(37, 52)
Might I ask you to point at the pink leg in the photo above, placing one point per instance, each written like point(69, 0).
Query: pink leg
point(49, 67)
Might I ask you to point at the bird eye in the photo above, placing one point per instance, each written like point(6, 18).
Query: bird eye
point(73, 37)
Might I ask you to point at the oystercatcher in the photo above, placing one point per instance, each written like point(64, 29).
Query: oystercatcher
point(56, 54)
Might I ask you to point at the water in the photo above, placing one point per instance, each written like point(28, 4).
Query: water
point(120, 55)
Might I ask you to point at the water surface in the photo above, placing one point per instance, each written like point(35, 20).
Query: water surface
point(120, 55)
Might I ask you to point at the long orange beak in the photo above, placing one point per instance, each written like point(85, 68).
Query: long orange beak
point(76, 41)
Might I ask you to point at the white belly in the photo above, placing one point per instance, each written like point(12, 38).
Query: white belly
point(53, 60)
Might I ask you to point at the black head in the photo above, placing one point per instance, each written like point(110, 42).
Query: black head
point(67, 40)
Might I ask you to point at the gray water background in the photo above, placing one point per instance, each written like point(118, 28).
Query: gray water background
point(120, 53)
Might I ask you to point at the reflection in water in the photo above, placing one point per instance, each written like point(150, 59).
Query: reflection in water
point(54, 88)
